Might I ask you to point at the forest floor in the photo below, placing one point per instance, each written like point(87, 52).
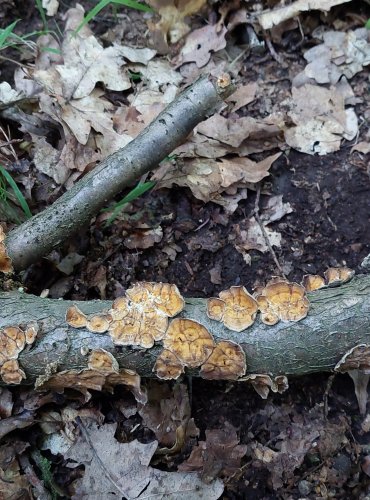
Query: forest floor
point(316, 208)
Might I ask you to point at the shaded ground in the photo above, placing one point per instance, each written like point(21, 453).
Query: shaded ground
point(330, 198)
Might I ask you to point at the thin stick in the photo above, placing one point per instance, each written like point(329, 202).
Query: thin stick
point(265, 235)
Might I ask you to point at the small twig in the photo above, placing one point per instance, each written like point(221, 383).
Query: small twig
point(264, 233)
point(329, 385)
point(272, 50)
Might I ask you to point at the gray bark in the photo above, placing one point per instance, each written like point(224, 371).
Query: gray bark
point(38, 236)
point(339, 318)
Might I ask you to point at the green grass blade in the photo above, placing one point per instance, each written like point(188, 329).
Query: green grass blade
point(22, 201)
point(6, 32)
point(103, 3)
point(40, 8)
point(367, 25)
point(139, 190)
point(92, 13)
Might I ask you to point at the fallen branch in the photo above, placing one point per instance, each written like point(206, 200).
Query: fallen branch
point(38, 236)
point(338, 320)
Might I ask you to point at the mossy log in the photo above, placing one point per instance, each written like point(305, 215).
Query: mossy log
point(339, 319)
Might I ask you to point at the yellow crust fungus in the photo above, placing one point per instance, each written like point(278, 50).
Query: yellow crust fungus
point(227, 362)
point(168, 366)
point(338, 275)
point(162, 296)
point(215, 308)
point(283, 300)
point(102, 361)
point(312, 282)
point(99, 323)
point(5, 260)
point(235, 307)
point(75, 317)
point(190, 341)
point(11, 373)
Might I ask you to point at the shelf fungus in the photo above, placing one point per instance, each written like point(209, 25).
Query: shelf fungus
point(135, 325)
point(11, 373)
point(12, 342)
point(102, 361)
point(235, 307)
point(313, 282)
point(263, 383)
point(168, 366)
point(227, 362)
point(189, 341)
point(281, 300)
point(335, 276)
point(5, 260)
point(356, 362)
point(163, 296)
point(75, 317)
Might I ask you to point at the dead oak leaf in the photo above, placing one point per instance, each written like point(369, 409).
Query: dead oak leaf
point(173, 12)
point(201, 43)
point(86, 63)
point(219, 454)
point(113, 468)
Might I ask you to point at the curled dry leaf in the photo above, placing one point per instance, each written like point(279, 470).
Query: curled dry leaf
point(190, 341)
point(312, 282)
point(11, 373)
point(168, 366)
point(75, 317)
point(5, 260)
point(163, 296)
point(200, 43)
point(102, 361)
point(227, 362)
point(283, 300)
point(236, 308)
point(338, 275)
point(172, 24)
point(84, 380)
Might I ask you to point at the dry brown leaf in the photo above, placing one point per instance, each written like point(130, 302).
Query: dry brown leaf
point(220, 454)
point(274, 17)
point(208, 179)
point(201, 43)
point(173, 12)
point(244, 95)
point(321, 120)
point(122, 469)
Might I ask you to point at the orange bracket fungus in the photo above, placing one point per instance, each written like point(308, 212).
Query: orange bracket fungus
point(168, 366)
point(162, 296)
point(190, 341)
point(12, 341)
point(356, 362)
point(263, 383)
point(5, 260)
point(227, 362)
point(281, 300)
point(136, 325)
point(338, 275)
point(102, 361)
point(236, 308)
point(313, 282)
point(11, 373)
point(75, 317)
